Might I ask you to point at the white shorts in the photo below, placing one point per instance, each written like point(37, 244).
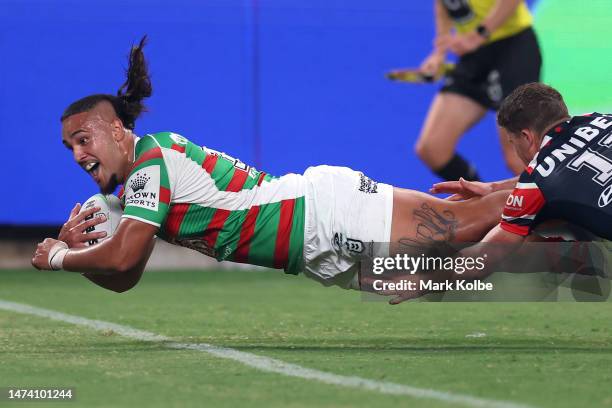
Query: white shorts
point(348, 215)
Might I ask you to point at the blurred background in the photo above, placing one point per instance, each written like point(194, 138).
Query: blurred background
point(280, 84)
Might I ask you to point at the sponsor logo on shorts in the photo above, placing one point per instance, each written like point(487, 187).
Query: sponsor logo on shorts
point(340, 242)
point(367, 185)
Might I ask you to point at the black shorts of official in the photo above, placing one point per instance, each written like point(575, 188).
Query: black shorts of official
point(493, 71)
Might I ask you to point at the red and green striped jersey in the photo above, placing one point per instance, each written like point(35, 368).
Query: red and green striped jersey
point(208, 201)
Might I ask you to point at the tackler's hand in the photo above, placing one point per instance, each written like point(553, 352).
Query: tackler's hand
point(462, 189)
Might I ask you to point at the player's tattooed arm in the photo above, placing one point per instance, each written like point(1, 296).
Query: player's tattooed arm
point(430, 231)
point(433, 227)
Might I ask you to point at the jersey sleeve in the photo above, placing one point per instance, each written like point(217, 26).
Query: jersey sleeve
point(147, 189)
point(522, 207)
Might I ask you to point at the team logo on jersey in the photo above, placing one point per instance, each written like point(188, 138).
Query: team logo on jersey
point(178, 139)
point(143, 188)
point(606, 197)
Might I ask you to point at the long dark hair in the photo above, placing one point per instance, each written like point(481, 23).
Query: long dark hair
point(128, 101)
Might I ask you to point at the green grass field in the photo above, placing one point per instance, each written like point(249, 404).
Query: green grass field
point(540, 354)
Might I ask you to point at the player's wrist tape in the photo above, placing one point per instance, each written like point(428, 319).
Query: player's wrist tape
point(57, 254)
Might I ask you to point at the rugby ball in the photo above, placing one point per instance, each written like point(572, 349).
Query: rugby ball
point(110, 206)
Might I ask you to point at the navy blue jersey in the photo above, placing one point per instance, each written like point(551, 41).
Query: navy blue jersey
point(570, 178)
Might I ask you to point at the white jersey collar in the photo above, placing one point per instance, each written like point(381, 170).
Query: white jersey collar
point(136, 139)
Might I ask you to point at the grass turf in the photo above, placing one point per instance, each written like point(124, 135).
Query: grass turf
point(544, 354)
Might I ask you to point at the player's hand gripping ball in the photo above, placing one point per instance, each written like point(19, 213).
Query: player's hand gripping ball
point(110, 210)
point(96, 220)
point(89, 224)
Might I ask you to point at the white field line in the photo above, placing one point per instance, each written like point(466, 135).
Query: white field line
point(262, 363)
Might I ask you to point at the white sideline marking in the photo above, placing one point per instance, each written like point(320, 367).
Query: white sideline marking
point(262, 363)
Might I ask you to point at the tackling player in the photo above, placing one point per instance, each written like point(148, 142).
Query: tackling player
point(568, 162)
point(320, 223)
point(568, 174)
